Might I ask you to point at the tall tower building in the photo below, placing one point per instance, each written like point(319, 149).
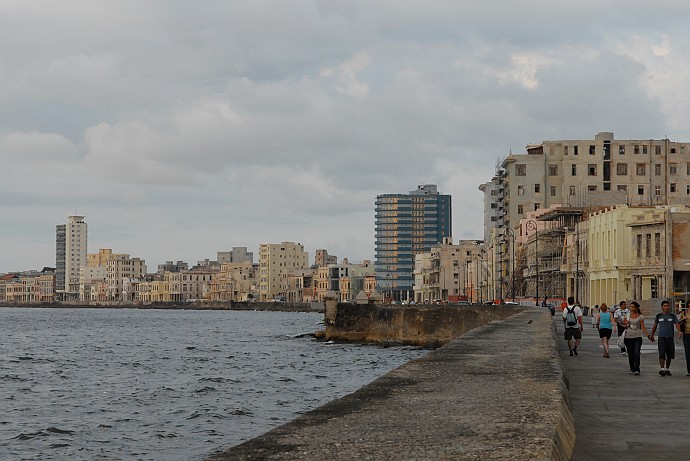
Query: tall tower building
point(70, 255)
point(406, 225)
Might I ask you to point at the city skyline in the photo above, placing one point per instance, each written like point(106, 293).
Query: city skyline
point(181, 131)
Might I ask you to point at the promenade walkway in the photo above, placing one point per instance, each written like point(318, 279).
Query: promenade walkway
point(624, 417)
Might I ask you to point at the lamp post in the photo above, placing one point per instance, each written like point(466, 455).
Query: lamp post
point(531, 225)
point(494, 240)
point(512, 270)
point(468, 280)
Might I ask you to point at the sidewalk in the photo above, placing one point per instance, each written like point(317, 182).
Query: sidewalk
point(625, 417)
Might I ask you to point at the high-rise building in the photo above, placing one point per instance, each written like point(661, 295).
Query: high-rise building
point(406, 225)
point(70, 255)
point(275, 262)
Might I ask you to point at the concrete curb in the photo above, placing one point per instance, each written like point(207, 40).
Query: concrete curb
point(497, 392)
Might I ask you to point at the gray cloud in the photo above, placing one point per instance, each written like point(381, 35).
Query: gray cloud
point(180, 129)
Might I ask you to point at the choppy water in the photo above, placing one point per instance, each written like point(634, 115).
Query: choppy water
point(90, 384)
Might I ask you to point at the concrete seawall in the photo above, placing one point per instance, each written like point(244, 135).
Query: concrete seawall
point(497, 392)
point(428, 326)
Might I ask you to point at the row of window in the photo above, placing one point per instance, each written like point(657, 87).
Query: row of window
point(637, 149)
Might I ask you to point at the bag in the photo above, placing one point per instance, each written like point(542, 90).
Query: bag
point(570, 319)
point(621, 340)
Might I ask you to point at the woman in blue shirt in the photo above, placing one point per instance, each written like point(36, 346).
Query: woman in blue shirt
point(605, 327)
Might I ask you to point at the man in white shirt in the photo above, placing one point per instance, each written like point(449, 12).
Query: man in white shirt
point(572, 321)
point(619, 316)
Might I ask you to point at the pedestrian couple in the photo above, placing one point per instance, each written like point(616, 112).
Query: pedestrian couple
point(629, 322)
point(633, 328)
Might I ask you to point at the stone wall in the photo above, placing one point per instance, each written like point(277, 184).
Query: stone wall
point(419, 325)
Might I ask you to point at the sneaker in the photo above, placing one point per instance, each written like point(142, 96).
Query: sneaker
point(623, 353)
point(571, 353)
point(662, 372)
point(668, 373)
point(637, 373)
point(575, 350)
point(687, 374)
point(631, 372)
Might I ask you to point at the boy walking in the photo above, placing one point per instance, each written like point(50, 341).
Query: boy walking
point(666, 321)
point(619, 316)
point(572, 321)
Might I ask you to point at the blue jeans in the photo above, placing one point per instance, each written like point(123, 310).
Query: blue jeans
point(634, 345)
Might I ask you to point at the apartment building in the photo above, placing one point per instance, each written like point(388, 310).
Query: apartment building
point(322, 258)
point(236, 281)
point(31, 289)
point(275, 262)
point(70, 254)
point(101, 258)
point(582, 173)
point(90, 277)
point(120, 268)
point(236, 255)
point(406, 225)
point(447, 272)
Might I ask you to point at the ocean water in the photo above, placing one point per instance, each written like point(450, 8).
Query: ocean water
point(102, 384)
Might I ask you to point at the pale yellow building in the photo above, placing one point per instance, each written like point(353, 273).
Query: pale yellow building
point(275, 262)
point(119, 268)
point(234, 282)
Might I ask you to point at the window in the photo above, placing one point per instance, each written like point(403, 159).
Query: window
point(640, 169)
point(621, 150)
point(622, 188)
point(574, 150)
point(522, 210)
point(672, 187)
point(673, 150)
point(494, 219)
point(682, 150)
point(687, 189)
point(592, 150)
point(565, 150)
point(657, 150)
point(553, 191)
point(553, 170)
point(639, 246)
point(537, 206)
point(672, 168)
point(657, 244)
point(521, 190)
point(537, 188)
point(621, 169)
point(648, 242)
point(520, 169)
point(640, 190)
point(573, 170)
point(592, 169)
point(572, 190)
point(591, 188)
point(493, 205)
point(657, 190)
point(644, 150)
point(636, 149)
point(657, 169)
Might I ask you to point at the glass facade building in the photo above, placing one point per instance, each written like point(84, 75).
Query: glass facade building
point(406, 225)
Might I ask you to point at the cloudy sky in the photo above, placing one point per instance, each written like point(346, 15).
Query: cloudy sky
point(181, 128)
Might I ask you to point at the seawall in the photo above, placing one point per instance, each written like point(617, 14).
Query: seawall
point(201, 305)
point(421, 325)
point(498, 392)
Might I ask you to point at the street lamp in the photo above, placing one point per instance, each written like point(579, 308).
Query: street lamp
point(531, 225)
point(512, 271)
point(494, 239)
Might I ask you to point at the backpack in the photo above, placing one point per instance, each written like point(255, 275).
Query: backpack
point(570, 319)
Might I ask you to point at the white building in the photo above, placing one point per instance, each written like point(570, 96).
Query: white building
point(70, 255)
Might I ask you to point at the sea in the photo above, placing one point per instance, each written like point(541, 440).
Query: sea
point(135, 384)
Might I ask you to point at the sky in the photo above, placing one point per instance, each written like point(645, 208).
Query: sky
point(181, 128)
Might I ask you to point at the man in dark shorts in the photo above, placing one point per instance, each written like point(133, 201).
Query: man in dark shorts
point(665, 321)
point(572, 321)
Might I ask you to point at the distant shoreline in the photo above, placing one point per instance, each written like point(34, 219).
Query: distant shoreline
point(202, 306)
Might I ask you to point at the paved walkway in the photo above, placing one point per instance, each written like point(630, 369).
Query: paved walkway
point(624, 417)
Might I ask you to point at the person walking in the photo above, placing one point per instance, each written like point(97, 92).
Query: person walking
point(572, 321)
point(634, 326)
point(666, 321)
point(595, 315)
point(619, 316)
point(683, 322)
point(604, 323)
